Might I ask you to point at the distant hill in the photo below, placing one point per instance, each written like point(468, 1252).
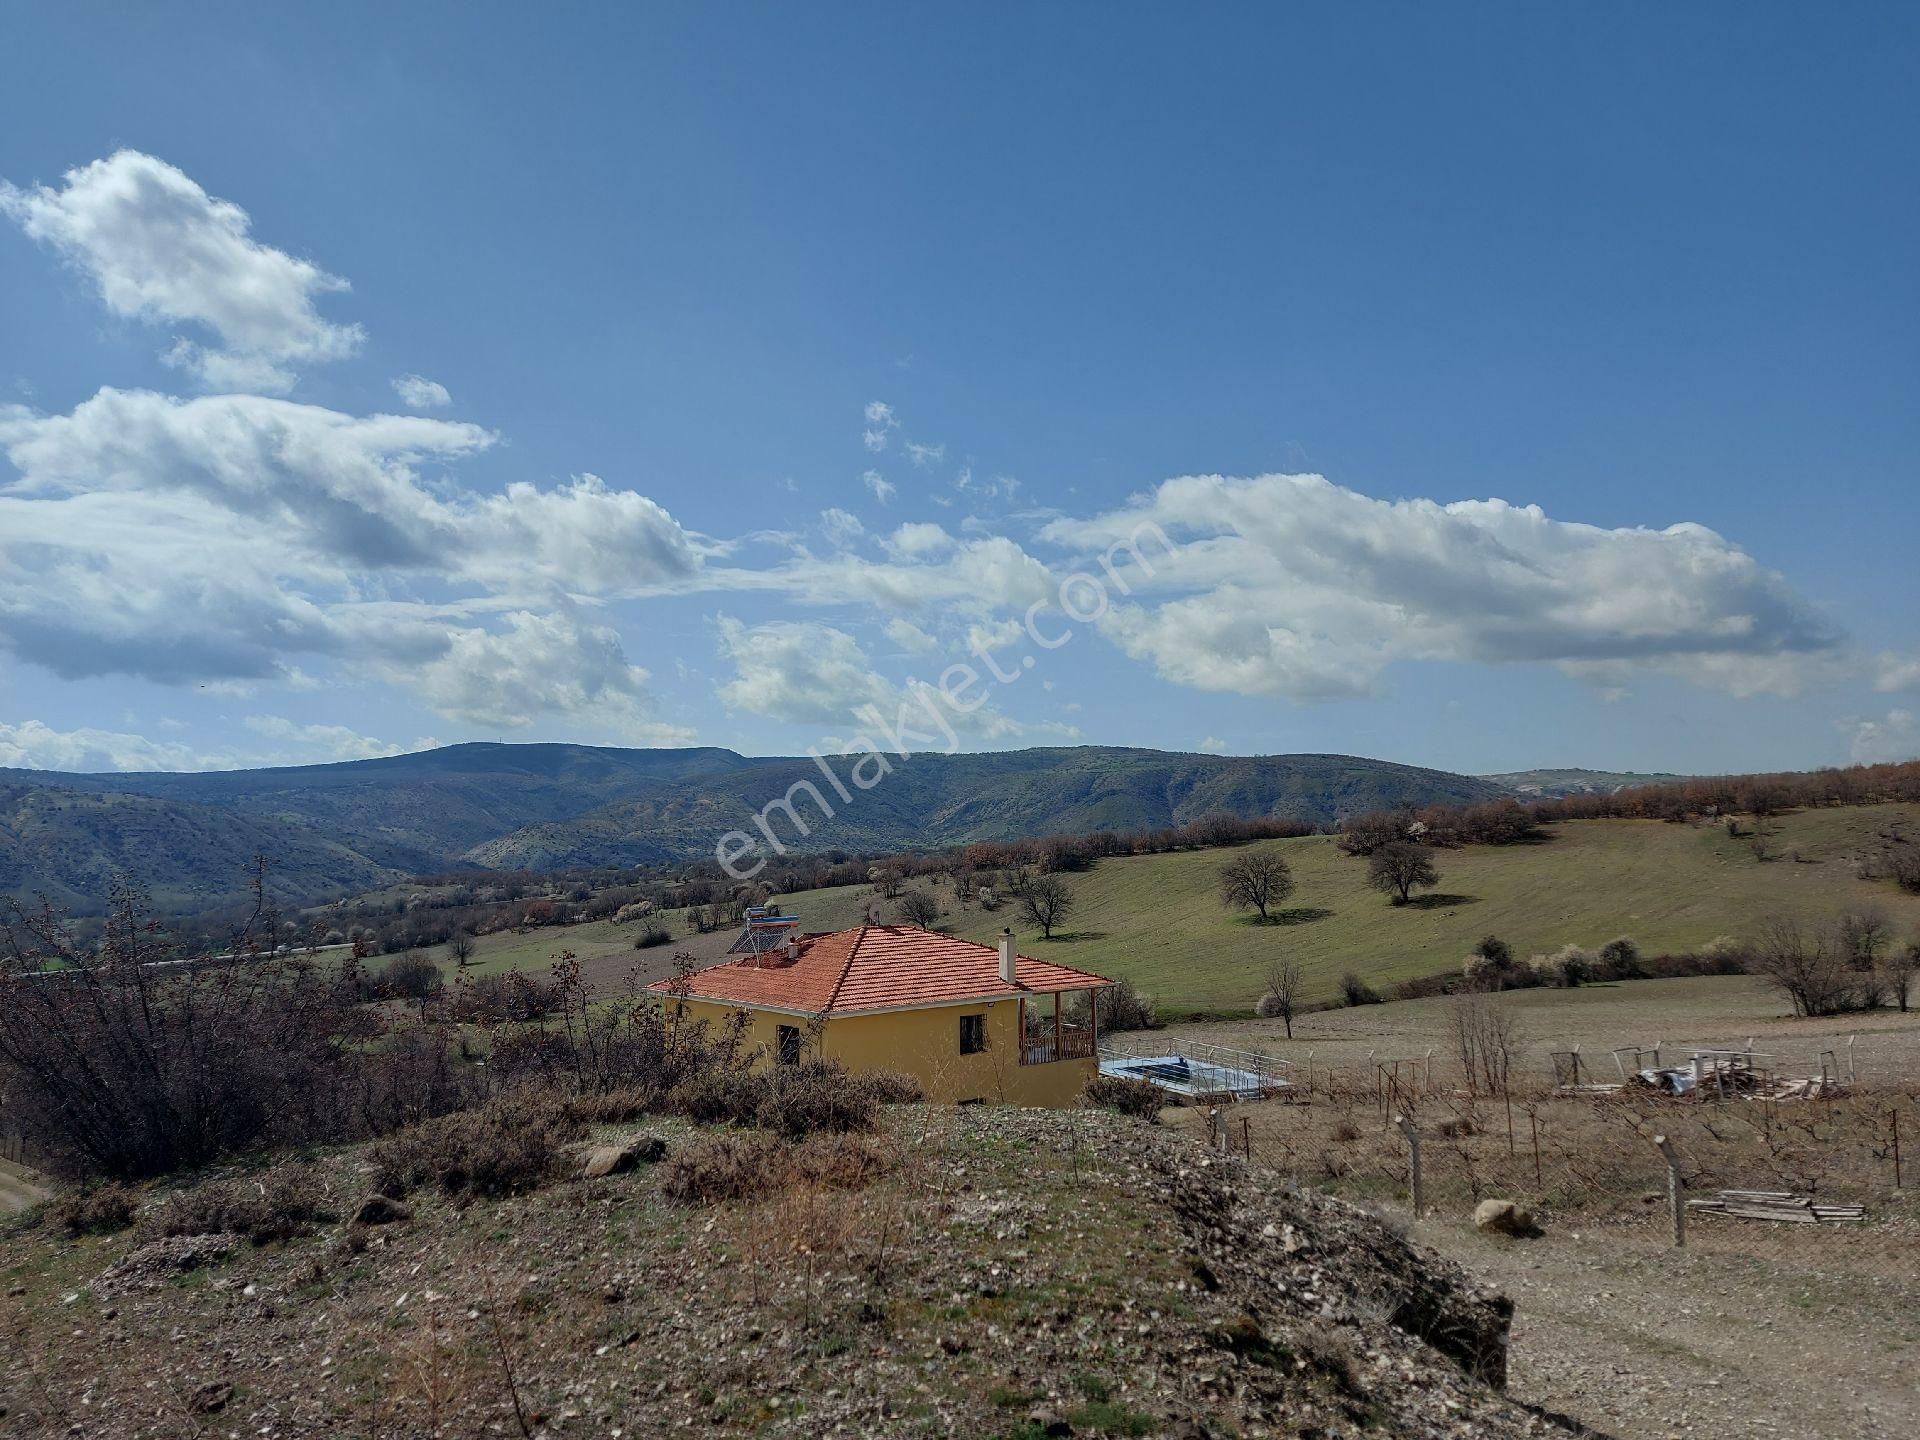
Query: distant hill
point(1550, 784)
point(333, 828)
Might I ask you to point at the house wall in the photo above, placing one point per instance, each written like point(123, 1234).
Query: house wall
point(926, 1044)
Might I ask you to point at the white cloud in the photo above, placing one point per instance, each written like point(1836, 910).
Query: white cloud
point(1896, 672)
point(842, 528)
point(1879, 741)
point(216, 540)
point(542, 666)
point(906, 635)
point(798, 671)
point(316, 743)
point(1213, 745)
point(32, 745)
point(880, 425)
point(803, 671)
point(160, 249)
point(1290, 585)
point(881, 487)
point(917, 539)
point(421, 393)
point(925, 454)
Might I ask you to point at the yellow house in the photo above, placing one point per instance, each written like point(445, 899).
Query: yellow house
point(971, 1023)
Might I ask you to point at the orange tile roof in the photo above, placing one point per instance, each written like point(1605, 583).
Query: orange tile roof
point(876, 967)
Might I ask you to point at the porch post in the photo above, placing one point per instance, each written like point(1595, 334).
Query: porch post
point(1056, 1024)
point(1093, 1021)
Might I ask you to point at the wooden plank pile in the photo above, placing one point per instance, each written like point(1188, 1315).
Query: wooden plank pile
point(1777, 1205)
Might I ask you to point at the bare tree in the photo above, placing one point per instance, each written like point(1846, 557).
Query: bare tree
point(1285, 981)
point(1486, 1038)
point(1046, 901)
point(460, 948)
point(918, 908)
point(1897, 973)
point(1805, 966)
point(1259, 881)
point(1395, 869)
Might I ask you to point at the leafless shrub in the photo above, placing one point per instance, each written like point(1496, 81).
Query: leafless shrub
point(892, 1087)
point(726, 1167)
point(280, 1204)
point(1141, 1099)
point(507, 1146)
point(96, 1209)
point(1486, 1039)
point(1285, 982)
point(1805, 966)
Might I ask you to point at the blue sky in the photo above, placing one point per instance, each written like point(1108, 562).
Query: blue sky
point(1511, 386)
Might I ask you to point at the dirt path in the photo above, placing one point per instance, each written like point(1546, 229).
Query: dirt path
point(1647, 1343)
point(17, 1192)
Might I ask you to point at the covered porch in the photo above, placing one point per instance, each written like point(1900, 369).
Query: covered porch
point(1048, 1033)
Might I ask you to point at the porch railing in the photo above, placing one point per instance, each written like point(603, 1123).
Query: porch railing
point(1046, 1047)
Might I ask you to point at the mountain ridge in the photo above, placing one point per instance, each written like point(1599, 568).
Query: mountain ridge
point(352, 824)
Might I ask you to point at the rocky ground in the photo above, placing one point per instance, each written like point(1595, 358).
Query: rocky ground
point(1014, 1274)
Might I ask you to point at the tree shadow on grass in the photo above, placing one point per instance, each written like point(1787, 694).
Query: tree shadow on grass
point(1439, 902)
point(1072, 935)
point(1297, 915)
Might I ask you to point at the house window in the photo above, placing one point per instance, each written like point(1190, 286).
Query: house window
point(973, 1034)
point(787, 1045)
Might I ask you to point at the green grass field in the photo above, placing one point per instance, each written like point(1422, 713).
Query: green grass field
point(1157, 919)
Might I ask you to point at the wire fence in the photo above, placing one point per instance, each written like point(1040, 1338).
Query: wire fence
point(1746, 1157)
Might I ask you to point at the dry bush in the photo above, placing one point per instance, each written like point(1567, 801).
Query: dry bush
point(506, 1147)
point(1344, 1130)
point(893, 1087)
point(96, 1209)
point(815, 1096)
point(278, 1205)
point(1122, 1007)
point(840, 1162)
point(725, 1167)
point(1139, 1098)
point(747, 1165)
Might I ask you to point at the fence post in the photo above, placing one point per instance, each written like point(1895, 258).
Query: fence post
point(1406, 1128)
point(1676, 1198)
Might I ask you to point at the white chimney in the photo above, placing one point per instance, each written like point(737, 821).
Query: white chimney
point(1006, 958)
point(793, 944)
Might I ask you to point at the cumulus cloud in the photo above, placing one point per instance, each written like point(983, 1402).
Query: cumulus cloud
point(1291, 585)
point(881, 487)
point(1213, 745)
point(1896, 672)
point(1875, 742)
point(541, 666)
point(318, 743)
point(421, 393)
point(214, 540)
point(33, 745)
point(917, 539)
point(804, 671)
point(798, 670)
point(160, 249)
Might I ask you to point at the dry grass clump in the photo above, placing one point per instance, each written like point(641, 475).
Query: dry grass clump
point(749, 1165)
point(278, 1205)
point(725, 1167)
point(1139, 1098)
point(508, 1146)
point(96, 1209)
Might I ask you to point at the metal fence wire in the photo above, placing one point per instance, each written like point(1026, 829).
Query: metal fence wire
point(1746, 1163)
